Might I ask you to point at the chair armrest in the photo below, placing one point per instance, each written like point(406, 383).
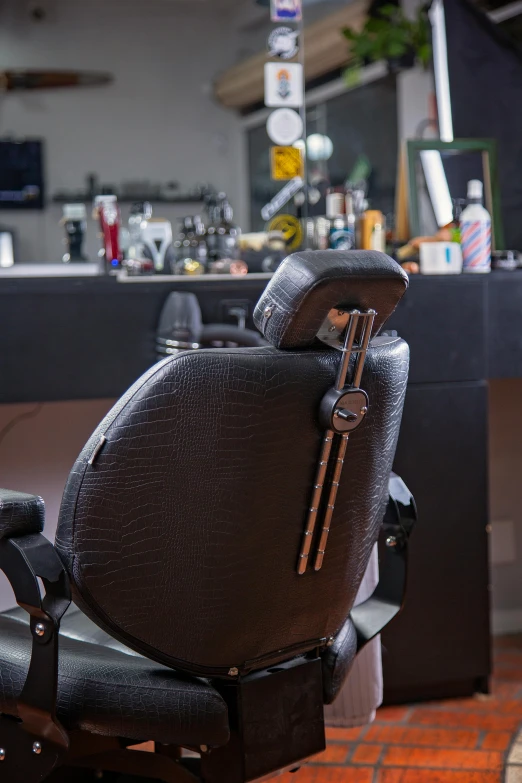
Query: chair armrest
point(20, 514)
point(370, 617)
point(24, 559)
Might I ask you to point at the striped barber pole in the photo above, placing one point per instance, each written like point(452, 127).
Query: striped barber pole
point(476, 245)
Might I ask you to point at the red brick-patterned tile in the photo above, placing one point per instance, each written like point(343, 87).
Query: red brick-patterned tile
point(366, 754)
point(334, 754)
point(451, 741)
point(496, 740)
point(498, 688)
point(511, 658)
point(424, 716)
point(436, 738)
point(438, 758)
point(328, 774)
point(344, 735)
point(511, 673)
point(436, 776)
point(480, 702)
point(506, 690)
point(393, 714)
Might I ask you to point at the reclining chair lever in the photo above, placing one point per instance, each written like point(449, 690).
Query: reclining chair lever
point(342, 410)
point(347, 415)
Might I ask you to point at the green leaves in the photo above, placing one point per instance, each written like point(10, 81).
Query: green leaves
point(390, 36)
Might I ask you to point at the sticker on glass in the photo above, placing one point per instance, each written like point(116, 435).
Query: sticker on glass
point(286, 163)
point(282, 42)
point(284, 127)
point(284, 85)
point(286, 10)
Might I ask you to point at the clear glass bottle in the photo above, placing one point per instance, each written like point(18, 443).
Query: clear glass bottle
point(186, 247)
point(227, 232)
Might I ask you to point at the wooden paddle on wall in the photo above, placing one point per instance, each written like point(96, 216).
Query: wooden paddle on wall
point(14, 80)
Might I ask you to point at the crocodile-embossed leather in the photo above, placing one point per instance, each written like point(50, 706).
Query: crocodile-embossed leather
point(308, 285)
point(182, 538)
point(104, 691)
point(338, 660)
point(76, 625)
point(20, 514)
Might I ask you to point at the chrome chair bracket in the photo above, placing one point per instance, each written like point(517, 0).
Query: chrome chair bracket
point(342, 410)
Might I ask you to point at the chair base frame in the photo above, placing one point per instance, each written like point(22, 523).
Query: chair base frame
point(276, 719)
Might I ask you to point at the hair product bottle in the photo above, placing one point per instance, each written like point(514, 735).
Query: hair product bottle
point(475, 229)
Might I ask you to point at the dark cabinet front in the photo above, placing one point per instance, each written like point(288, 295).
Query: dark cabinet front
point(439, 645)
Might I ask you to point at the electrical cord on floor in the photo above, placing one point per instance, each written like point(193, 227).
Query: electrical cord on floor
point(4, 432)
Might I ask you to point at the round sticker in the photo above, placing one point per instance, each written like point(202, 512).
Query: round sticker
point(282, 42)
point(284, 127)
point(291, 229)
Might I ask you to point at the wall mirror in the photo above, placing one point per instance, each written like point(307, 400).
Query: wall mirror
point(438, 173)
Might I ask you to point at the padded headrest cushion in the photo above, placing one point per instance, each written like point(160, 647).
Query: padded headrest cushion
point(308, 285)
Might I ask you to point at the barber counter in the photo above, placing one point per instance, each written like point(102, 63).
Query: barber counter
point(90, 338)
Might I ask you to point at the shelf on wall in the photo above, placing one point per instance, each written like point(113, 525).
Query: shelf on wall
point(86, 197)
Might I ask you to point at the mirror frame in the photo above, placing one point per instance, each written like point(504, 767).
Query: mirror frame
point(488, 147)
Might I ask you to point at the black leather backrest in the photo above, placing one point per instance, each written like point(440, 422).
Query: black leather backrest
point(309, 284)
point(182, 537)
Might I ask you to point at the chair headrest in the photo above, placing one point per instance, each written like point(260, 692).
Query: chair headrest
point(309, 284)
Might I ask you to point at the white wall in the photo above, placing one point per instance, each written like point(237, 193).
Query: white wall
point(415, 88)
point(157, 121)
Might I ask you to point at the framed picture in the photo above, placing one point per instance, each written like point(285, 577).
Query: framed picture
point(438, 173)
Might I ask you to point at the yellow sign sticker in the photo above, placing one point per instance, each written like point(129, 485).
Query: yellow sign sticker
point(291, 229)
point(286, 162)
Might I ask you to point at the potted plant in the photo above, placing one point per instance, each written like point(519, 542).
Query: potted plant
point(391, 36)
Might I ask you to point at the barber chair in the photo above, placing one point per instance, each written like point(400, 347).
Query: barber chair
point(181, 328)
point(213, 535)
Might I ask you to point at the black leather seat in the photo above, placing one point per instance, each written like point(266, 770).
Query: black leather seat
point(107, 689)
point(215, 544)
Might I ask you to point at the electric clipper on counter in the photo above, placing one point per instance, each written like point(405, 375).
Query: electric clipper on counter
point(156, 240)
point(107, 212)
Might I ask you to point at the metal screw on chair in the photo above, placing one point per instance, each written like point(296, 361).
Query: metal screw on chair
point(391, 541)
point(233, 672)
point(2, 754)
point(37, 748)
point(203, 748)
point(364, 410)
point(39, 629)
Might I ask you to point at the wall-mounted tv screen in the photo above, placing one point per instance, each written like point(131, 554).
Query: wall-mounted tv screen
point(21, 174)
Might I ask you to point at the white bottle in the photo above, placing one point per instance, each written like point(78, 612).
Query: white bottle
point(475, 230)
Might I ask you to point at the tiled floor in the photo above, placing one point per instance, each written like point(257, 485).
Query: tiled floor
point(465, 741)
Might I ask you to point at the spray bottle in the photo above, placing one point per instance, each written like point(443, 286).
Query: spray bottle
point(475, 228)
